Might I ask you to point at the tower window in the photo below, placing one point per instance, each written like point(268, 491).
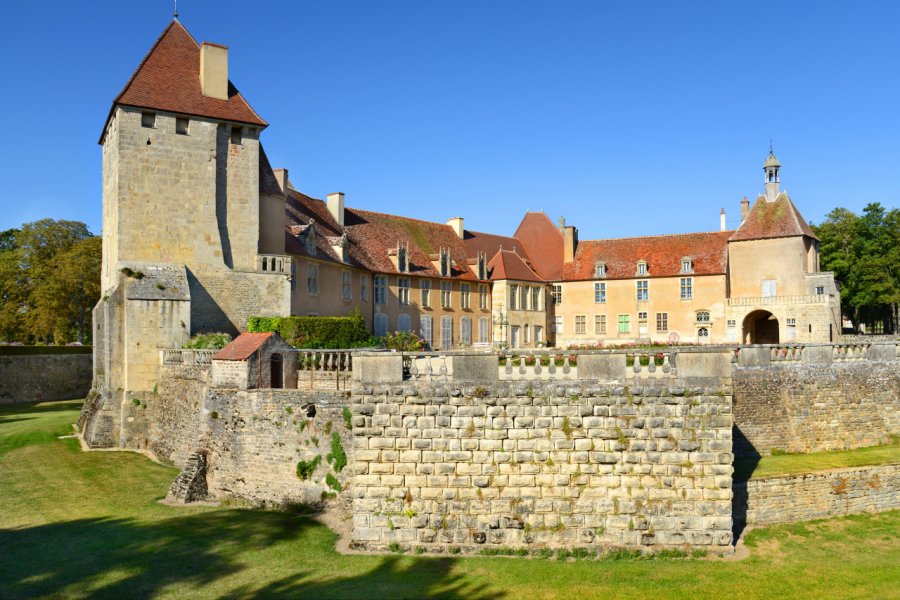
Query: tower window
point(181, 125)
point(236, 134)
point(148, 119)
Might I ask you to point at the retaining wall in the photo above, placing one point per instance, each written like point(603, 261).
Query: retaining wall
point(44, 377)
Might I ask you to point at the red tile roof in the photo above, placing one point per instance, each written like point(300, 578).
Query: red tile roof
point(663, 253)
point(169, 79)
point(773, 220)
point(490, 244)
point(300, 209)
point(243, 346)
point(507, 264)
point(543, 244)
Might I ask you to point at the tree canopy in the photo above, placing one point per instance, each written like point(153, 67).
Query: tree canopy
point(864, 253)
point(49, 281)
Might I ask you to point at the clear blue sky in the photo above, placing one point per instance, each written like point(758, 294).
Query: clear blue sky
point(628, 118)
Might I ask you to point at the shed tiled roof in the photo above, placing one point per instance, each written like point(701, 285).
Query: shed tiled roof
point(507, 264)
point(543, 242)
point(243, 346)
point(663, 253)
point(773, 220)
point(169, 79)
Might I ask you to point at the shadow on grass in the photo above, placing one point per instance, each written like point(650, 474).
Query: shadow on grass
point(29, 409)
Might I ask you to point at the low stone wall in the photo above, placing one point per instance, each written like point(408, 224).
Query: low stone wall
point(817, 495)
point(44, 377)
point(580, 464)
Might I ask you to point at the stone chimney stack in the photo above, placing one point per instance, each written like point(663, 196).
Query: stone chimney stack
point(570, 243)
point(456, 223)
point(722, 220)
point(336, 207)
point(282, 176)
point(745, 208)
point(562, 223)
point(214, 70)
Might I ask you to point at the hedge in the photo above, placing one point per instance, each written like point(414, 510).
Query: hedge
point(28, 350)
point(316, 332)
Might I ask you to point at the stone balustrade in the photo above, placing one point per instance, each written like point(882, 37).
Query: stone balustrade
point(186, 357)
point(780, 300)
point(325, 360)
point(817, 354)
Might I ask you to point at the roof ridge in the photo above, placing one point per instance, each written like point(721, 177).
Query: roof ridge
point(150, 53)
point(643, 237)
point(383, 214)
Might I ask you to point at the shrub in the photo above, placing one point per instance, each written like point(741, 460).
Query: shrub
point(402, 340)
point(207, 341)
point(316, 332)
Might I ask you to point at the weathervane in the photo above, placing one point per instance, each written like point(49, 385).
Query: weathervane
point(175, 12)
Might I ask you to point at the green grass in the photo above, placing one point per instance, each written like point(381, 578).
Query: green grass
point(790, 464)
point(88, 525)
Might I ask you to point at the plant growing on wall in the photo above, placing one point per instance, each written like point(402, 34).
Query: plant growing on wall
point(305, 468)
point(337, 457)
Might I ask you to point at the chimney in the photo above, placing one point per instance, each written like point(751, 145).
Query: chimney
point(457, 224)
point(336, 207)
point(562, 223)
point(722, 220)
point(745, 208)
point(214, 70)
point(570, 243)
point(281, 175)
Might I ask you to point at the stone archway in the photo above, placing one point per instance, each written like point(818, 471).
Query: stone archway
point(760, 327)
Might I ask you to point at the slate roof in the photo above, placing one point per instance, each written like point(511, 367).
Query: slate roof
point(507, 264)
point(663, 253)
point(543, 243)
point(773, 220)
point(243, 346)
point(169, 79)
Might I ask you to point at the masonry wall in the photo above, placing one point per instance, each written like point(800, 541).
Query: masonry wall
point(176, 419)
point(817, 495)
point(224, 300)
point(43, 377)
point(813, 407)
point(541, 463)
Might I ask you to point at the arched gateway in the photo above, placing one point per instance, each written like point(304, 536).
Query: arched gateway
point(760, 327)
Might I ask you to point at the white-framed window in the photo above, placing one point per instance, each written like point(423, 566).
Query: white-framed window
point(535, 298)
point(687, 265)
point(425, 329)
point(558, 324)
point(346, 285)
point(642, 316)
point(513, 297)
point(364, 288)
point(446, 333)
point(312, 278)
point(820, 290)
point(580, 324)
point(768, 288)
point(538, 334)
point(402, 261)
point(426, 292)
point(642, 268)
point(731, 331)
point(600, 324)
point(483, 296)
point(381, 325)
point(600, 269)
point(381, 289)
point(643, 290)
point(791, 330)
point(403, 290)
point(687, 288)
point(484, 328)
point(662, 322)
point(464, 293)
point(600, 293)
point(404, 322)
point(446, 294)
point(556, 293)
point(465, 330)
point(703, 316)
point(624, 323)
point(523, 297)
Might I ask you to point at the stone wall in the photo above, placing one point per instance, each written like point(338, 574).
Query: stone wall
point(581, 464)
point(176, 423)
point(817, 495)
point(43, 377)
point(799, 407)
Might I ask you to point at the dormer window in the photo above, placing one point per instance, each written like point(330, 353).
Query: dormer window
point(482, 266)
point(310, 240)
point(445, 263)
point(642, 267)
point(600, 270)
point(687, 265)
point(402, 259)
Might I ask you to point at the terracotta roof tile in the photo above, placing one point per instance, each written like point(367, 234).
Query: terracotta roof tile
point(243, 346)
point(773, 220)
point(169, 79)
point(300, 209)
point(543, 244)
point(663, 253)
point(507, 264)
point(490, 244)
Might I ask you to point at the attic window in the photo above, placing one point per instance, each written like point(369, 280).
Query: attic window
point(642, 267)
point(236, 134)
point(445, 263)
point(310, 240)
point(687, 265)
point(402, 261)
point(181, 125)
point(482, 266)
point(600, 269)
point(148, 119)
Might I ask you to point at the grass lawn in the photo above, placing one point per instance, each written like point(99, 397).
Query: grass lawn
point(789, 464)
point(88, 525)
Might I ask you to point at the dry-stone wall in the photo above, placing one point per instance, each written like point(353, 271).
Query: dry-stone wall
point(817, 495)
point(541, 463)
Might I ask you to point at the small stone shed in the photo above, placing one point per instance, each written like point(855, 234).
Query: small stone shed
point(255, 361)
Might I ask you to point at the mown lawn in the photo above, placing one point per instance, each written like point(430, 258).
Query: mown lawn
point(88, 525)
point(790, 464)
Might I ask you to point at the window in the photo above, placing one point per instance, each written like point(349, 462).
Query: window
point(687, 288)
point(446, 291)
point(293, 276)
point(686, 265)
point(662, 322)
point(731, 331)
point(426, 292)
point(148, 119)
point(445, 263)
point(381, 289)
point(346, 283)
point(381, 325)
point(425, 329)
point(820, 290)
point(312, 278)
point(624, 323)
point(181, 125)
point(446, 333)
point(310, 241)
point(526, 329)
point(403, 290)
point(768, 288)
point(483, 296)
point(464, 292)
point(364, 288)
point(703, 335)
point(403, 323)
point(484, 325)
point(791, 330)
point(558, 324)
point(556, 292)
point(538, 334)
point(580, 326)
point(402, 263)
point(703, 316)
point(523, 297)
point(535, 298)
point(642, 268)
point(599, 293)
point(513, 297)
point(642, 316)
point(600, 324)
point(236, 134)
point(643, 290)
point(482, 266)
point(600, 270)
point(465, 330)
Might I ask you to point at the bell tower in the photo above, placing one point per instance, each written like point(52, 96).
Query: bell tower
point(771, 168)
